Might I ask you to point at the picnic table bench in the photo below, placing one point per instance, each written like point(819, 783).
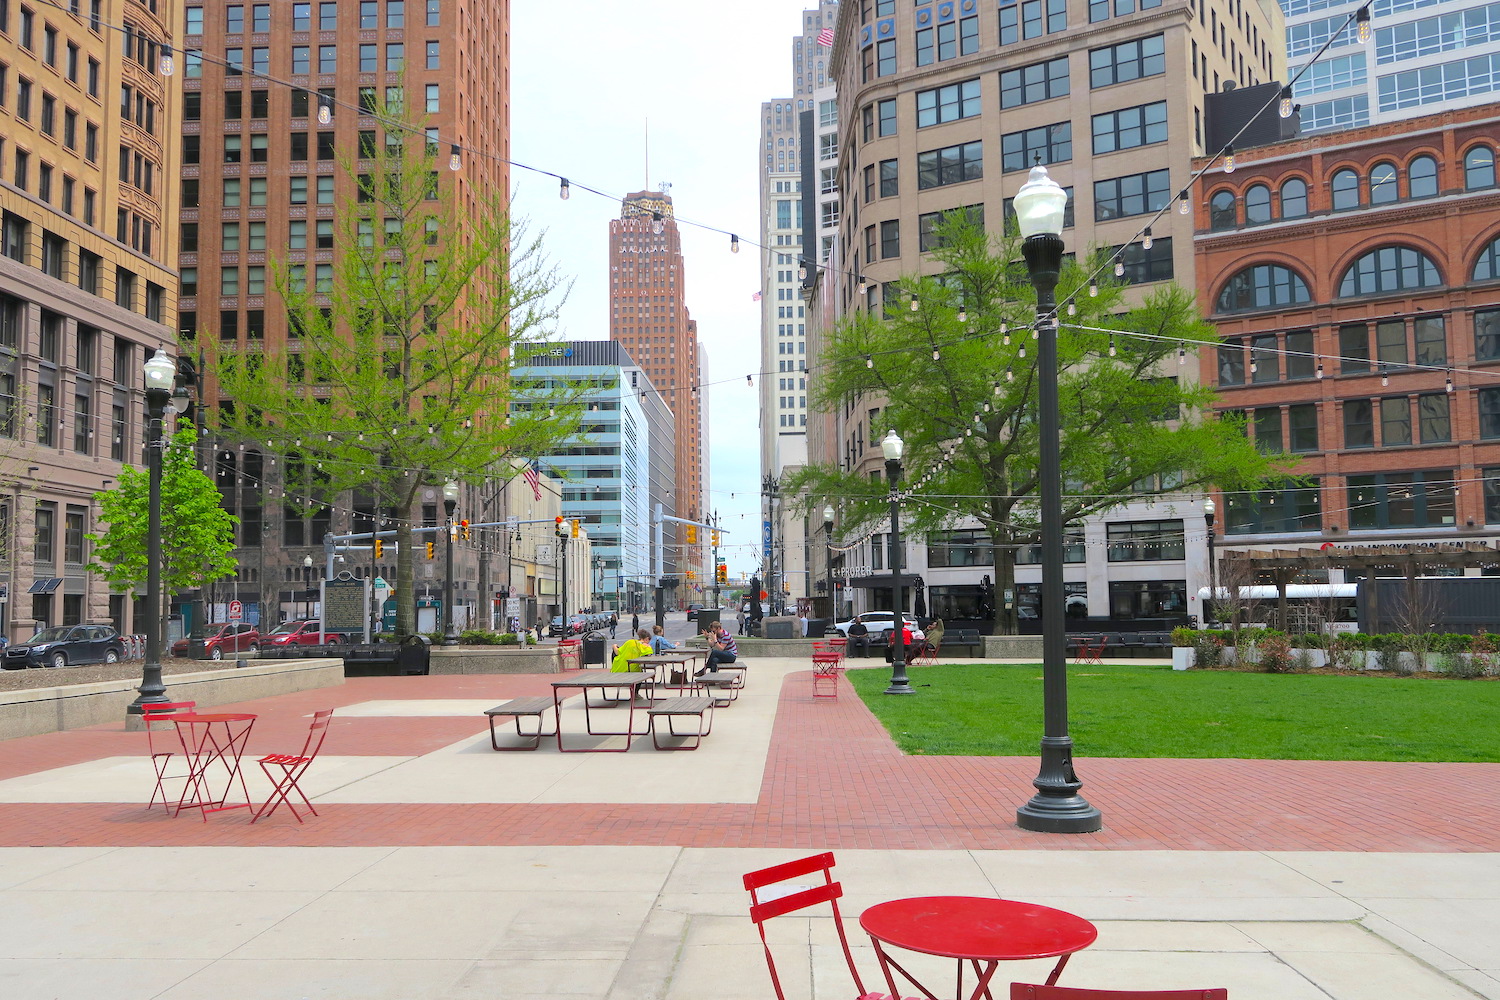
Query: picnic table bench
point(717, 683)
point(514, 709)
point(672, 708)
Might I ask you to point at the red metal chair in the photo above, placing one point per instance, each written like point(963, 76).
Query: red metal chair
point(926, 654)
point(161, 759)
point(826, 669)
point(293, 767)
point(1029, 991)
point(768, 899)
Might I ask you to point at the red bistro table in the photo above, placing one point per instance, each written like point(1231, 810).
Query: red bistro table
point(208, 738)
point(982, 931)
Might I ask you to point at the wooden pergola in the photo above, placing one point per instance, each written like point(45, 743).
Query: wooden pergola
point(1408, 560)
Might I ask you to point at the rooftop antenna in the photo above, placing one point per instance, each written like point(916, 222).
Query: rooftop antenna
point(648, 154)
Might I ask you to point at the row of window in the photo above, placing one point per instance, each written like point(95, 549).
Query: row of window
point(369, 56)
point(301, 102)
point(1380, 271)
point(1383, 184)
point(55, 257)
point(260, 16)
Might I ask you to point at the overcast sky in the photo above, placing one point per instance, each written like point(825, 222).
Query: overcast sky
point(585, 77)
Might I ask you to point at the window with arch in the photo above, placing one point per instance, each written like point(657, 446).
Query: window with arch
point(1479, 168)
point(1422, 178)
point(1487, 266)
point(1263, 286)
point(1383, 186)
point(1222, 213)
point(1389, 269)
point(1257, 205)
point(1293, 198)
point(1345, 190)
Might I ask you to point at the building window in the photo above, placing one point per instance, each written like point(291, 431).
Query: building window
point(1479, 168)
point(1395, 422)
point(1132, 60)
point(1053, 143)
point(1345, 190)
point(1263, 286)
point(889, 180)
point(1383, 189)
point(1302, 424)
point(1145, 265)
point(46, 532)
point(1257, 205)
point(1037, 82)
point(1433, 421)
point(1103, 10)
point(1231, 363)
point(945, 104)
point(1267, 428)
point(1137, 541)
point(1359, 426)
point(1134, 194)
point(1293, 198)
point(1487, 335)
point(1487, 264)
point(1401, 499)
point(1223, 210)
point(885, 58)
point(1354, 348)
point(950, 165)
point(927, 225)
point(890, 239)
point(1389, 269)
point(1288, 505)
point(1023, 19)
point(1128, 128)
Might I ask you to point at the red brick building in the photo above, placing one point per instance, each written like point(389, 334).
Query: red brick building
point(1355, 279)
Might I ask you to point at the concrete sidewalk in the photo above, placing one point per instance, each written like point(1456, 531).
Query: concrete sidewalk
point(440, 869)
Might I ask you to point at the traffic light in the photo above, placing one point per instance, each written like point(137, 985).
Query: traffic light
point(561, 531)
point(576, 523)
point(692, 574)
point(716, 538)
point(692, 534)
point(379, 549)
point(463, 529)
point(723, 573)
point(430, 547)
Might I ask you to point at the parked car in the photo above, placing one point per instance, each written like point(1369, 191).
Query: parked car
point(221, 640)
point(66, 645)
point(301, 633)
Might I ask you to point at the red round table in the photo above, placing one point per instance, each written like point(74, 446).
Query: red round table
point(202, 746)
point(982, 931)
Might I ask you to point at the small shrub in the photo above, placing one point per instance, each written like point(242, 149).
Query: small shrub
point(1208, 649)
point(1184, 637)
point(1484, 654)
point(1341, 649)
point(1302, 659)
point(1388, 649)
point(1275, 654)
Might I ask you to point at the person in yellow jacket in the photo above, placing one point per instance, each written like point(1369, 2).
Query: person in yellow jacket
point(629, 650)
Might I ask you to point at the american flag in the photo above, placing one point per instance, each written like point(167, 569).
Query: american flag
point(825, 38)
point(755, 297)
point(533, 480)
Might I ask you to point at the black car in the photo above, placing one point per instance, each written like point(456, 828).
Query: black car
point(66, 645)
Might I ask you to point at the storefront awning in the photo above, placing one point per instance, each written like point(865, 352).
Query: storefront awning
point(882, 580)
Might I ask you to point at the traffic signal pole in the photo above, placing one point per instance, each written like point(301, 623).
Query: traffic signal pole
point(715, 539)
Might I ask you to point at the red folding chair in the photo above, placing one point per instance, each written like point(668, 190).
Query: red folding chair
point(1029, 991)
point(826, 669)
point(293, 767)
point(839, 645)
point(926, 654)
point(768, 899)
point(161, 759)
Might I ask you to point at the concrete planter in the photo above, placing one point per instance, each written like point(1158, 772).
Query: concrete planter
point(495, 660)
point(1183, 657)
point(50, 710)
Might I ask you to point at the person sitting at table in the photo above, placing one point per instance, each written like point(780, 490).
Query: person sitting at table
point(629, 650)
point(659, 642)
point(721, 647)
point(908, 639)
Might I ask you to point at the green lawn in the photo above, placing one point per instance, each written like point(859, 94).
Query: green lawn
point(1146, 711)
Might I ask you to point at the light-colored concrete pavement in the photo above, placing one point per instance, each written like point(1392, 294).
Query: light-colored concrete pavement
point(612, 917)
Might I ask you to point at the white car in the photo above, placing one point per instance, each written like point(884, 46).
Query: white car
point(879, 624)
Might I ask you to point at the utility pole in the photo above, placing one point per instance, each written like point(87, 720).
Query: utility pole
point(770, 487)
point(714, 538)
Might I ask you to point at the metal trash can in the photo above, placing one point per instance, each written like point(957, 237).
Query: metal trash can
point(594, 647)
point(415, 656)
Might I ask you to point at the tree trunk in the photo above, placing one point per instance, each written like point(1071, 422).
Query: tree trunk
point(406, 593)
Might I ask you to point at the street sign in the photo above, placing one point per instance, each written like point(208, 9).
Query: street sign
point(236, 611)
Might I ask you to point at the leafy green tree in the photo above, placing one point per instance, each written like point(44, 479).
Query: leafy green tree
point(197, 535)
point(396, 376)
point(958, 374)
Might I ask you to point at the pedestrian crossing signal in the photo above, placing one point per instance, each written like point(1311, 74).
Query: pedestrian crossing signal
point(431, 546)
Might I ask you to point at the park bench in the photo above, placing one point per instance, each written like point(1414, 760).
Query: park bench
point(723, 687)
point(968, 639)
point(1145, 643)
point(410, 656)
point(515, 709)
point(672, 708)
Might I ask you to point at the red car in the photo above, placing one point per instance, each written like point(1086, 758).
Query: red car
point(301, 633)
point(220, 640)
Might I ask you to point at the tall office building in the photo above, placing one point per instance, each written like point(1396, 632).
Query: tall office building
point(263, 175)
point(648, 316)
point(947, 105)
point(618, 467)
point(88, 150)
point(1421, 57)
point(788, 211)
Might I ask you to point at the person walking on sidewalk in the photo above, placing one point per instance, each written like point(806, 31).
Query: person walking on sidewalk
point(614, 621)
point(635, 623)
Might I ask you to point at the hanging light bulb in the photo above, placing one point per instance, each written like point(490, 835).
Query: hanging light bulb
point(1093, 289)
point(1181, 353)
point(1184, 207)
point(869, 361)
point(1229, 159)
point(1362, 27)
point(734, 243)
point(1004, 328)
point(936, 354)
point(455, 162)
point(1285, 107)
point(325, 110)
point(1449, 386)
point(916, 303)
point(864, 285)
point(749, 381)
point(1006, 340)
point(1254, 365)
point(1146, 240)
point(165, 66)
point(1119, 269)
point(997, 388)
point(1021, 352)
point(963, 314)
point(1385, 376)
point(658, 225)
point(1111, 345)
point(1072, 309)
point(802, 270)
point(564, 190)
point(1320, 369)
point(1010, 376)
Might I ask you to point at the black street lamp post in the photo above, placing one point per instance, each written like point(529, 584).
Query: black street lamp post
point(892, 447)
point(1213, 575)
point(833, 594)
point(161, 371)
point(562, 557)
point(1057, 807)
point(450, 506)
point(307, 603)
